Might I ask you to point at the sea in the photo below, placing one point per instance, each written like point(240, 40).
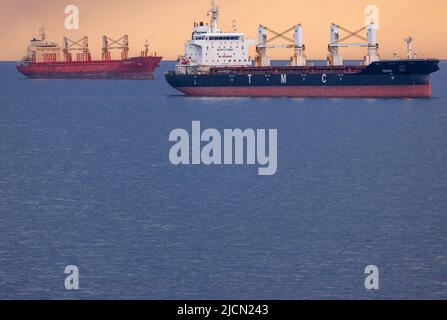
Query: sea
point(86, 181)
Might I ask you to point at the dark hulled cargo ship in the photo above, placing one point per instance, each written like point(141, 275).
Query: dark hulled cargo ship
point(404, 78)
point(217, 64)
point(46, 60)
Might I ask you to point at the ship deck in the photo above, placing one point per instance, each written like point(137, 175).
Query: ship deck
point(287, 69)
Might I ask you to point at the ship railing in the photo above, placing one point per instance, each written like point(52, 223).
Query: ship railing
point(191, 69)
point(286, 69)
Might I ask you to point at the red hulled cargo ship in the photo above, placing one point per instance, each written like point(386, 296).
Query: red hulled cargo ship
point(47, 60)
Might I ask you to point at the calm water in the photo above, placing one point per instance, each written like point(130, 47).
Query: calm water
point(85, 179)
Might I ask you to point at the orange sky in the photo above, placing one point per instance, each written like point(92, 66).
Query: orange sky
point(167, 23)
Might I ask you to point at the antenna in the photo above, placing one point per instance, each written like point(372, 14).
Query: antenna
point(214, 16)
point(42, 34)
point(409, 41)
point(146, 45)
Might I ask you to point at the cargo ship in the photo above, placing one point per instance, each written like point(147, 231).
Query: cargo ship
point(47, 60)
point(217, 63)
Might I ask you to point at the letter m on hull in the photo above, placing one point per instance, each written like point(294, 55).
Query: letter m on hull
point(284, 78)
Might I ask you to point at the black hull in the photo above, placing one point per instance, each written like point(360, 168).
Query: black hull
point(407, 78)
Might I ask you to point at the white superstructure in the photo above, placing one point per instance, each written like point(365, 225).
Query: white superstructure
point(209, 47)
point(40, 50)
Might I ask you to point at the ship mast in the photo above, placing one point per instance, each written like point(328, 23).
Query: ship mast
point(214, 15)
point(409, 41)
point(42, 34)
point(146, 45)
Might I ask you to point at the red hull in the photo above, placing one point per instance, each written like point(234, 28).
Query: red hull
point(133, 68)
point(409, 91)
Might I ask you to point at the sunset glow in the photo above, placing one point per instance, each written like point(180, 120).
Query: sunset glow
point(167, 24)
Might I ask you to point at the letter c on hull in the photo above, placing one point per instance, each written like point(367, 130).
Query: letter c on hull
point(324, 78)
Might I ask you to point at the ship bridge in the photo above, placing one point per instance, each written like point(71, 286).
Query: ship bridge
point(40, 50)
point(210, 47)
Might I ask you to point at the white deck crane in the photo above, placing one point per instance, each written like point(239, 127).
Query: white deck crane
point(298, 58)
point(335, 43)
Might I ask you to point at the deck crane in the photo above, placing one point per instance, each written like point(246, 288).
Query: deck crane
point(335, 43)
point(298, 58)
point(80, 45)
point(109, 44)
